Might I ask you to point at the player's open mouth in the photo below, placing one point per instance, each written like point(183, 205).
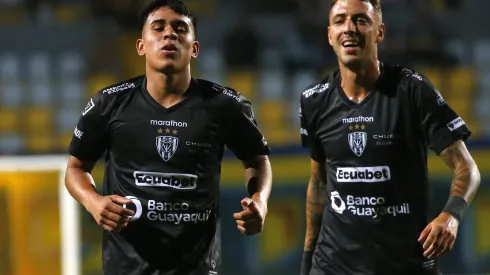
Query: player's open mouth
point(169, 49)
point(350, 44)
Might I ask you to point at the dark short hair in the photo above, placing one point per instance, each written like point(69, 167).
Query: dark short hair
point(375, 3)
point(177, 6)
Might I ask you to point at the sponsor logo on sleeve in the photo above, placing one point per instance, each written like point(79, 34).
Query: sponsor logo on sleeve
point(455, 124)
point(78, 133)
point(316, 89)
point(89, 107)
point(119, 88)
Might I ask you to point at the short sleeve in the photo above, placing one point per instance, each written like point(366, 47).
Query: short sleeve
point(244, 138)
point(308, 134)
point(440, 124)
point(89, 140)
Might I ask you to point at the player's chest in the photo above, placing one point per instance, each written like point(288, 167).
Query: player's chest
point(188, 134)
point(365, 133)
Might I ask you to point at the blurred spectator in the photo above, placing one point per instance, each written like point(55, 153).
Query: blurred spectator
point(10, 3)
point(126, 12)
point(41, 11)
point(241, 46)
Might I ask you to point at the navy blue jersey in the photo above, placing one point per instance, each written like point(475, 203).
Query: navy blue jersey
point(168, 162)
point(375, 154)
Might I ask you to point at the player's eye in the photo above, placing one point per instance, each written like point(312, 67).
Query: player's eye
point(181, 29)
point(158, 29)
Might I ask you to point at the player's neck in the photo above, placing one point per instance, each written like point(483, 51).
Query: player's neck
point(168, 89)
point(358, 82)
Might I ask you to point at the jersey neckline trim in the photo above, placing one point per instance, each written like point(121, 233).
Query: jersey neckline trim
point(368, 98)
point(188, 95)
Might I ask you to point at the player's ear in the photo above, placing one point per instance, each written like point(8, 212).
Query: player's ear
point(140, 47)
point(380, 35)
point(195, 49)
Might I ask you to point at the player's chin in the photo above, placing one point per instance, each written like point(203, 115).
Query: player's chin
point(167, 67)
point(350, 60)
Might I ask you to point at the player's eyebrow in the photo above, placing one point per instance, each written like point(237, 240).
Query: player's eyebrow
point(176, 21)
point(357, 15)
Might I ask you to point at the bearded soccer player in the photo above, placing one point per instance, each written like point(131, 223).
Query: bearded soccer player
point(368, 126)
point(164, 135)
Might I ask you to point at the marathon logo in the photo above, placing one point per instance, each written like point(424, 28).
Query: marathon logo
point(359, 119)
point(363, 174)
point(119, 88)
point(169, 180)
point(455, 124)
point(170, 123)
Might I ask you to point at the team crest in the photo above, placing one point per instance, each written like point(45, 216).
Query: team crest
point(357, 142)
point(166, 146)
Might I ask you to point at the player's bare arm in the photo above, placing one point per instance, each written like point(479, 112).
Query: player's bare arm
point(466, 176)
point(440, 234)
point(107, 211)
point(316, 196)
point(258, 181)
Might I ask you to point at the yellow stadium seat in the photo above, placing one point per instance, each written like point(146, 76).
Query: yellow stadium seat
point(64, 140)
point(71, 13)
point(12, 16)
point(134, 64)
point(99, 81)
point(435, 76)
point(37, 121)
point(273, 121)
point(460, 106)
point(41, 143)
point(9, 120)
point(272, 113)
point(243, 82)
point(461, 81)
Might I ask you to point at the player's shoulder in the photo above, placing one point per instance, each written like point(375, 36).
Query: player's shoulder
point(120, 89)
point(222, 94)
point(108, 97)
point(319, 90)
point(405, 77)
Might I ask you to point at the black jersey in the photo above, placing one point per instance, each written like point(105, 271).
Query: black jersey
point(375, 153)
point(168, 162)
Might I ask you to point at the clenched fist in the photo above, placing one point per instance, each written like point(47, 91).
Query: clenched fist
point(108, 212)
point(251, 220)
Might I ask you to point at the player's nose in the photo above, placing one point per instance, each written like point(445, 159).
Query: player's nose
point(349, 26)
point(169, 34)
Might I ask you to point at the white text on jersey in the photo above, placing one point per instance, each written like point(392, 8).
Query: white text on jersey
point(358, 119)
point(363, 174)
point(170, 180)
point(171, 123)
point(119, 88)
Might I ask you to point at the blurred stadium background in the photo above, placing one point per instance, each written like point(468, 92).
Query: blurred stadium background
point(55, 54)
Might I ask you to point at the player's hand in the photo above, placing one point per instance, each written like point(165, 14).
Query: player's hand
point(439, 236)
point(251, 220)
point(109, 213)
